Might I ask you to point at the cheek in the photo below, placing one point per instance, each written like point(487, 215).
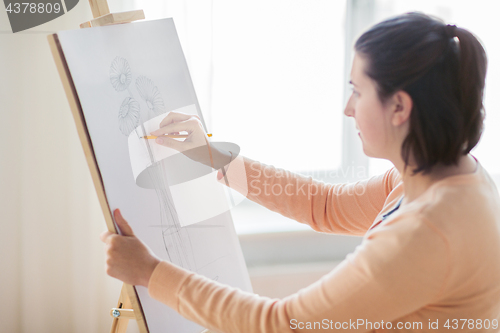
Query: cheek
point(370, 121)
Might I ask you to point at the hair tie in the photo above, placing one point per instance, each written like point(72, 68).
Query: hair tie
point(450, 30)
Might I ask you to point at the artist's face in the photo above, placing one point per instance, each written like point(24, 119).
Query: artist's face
point(371, 116)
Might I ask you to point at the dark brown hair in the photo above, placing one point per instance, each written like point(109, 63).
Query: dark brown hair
point(444, 76)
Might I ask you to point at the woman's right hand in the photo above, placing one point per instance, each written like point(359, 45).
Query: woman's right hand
point(176, 122)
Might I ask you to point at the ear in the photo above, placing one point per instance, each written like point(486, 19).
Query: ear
point(401, 107)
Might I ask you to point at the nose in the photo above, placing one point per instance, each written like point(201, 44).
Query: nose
point(349, 108)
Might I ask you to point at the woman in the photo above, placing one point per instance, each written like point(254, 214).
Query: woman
point(430, 256)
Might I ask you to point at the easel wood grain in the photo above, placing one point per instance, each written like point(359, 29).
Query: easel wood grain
point(99, 7)
point(128, 306)
point(122, 313)
point(114, 18)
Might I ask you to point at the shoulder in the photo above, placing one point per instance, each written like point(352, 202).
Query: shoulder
point(390, 179)
point(394, 177)
point(409, 229)
point(411, 248)
point(462, 204)
point(413, 241)
point(465, 213)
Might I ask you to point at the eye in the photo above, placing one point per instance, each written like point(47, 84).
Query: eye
point(355, 93)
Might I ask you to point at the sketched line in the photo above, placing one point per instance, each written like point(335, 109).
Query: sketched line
point(210, 263)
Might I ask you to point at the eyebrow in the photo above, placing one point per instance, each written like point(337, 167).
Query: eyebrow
point(352, 83)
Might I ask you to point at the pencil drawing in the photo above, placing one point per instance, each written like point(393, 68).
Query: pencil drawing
point(129, 115)
point(120, 74)
point(176, 240)
point(150, 94)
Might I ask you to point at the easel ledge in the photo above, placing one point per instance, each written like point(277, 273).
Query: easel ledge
point(128, 306)
point(102, 16)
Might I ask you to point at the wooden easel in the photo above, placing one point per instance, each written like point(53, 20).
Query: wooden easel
point(128, 306)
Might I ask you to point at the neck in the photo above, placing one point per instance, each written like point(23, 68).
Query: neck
point(415, 185)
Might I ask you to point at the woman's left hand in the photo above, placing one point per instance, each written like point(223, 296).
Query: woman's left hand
point(127, 257)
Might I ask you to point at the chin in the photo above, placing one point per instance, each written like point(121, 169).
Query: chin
point(369, 153)
point(366, 151)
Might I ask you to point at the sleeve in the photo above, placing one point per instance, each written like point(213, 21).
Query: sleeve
point(391, 274)
point(331, 208)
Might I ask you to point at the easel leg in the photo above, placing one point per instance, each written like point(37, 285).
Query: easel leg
point(120, 323)
point(124, 312)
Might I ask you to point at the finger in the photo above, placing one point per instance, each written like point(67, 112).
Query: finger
point(173, 117)
point(104, 236)
point(123, 225)
point(186, 125)
point(170, 143)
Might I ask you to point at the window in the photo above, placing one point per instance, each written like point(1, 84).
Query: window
point(278, 90)
point(278, 80)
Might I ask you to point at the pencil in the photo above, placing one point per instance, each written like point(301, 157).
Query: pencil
point(175, 136)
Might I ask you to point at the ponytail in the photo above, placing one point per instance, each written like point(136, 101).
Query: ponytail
point(471, 81)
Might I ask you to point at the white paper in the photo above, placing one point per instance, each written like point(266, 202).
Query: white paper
point(195, 200)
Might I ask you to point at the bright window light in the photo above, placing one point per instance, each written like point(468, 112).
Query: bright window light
point(278, 80)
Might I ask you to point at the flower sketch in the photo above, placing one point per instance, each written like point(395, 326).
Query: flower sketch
point(128, 117)
point(120, 74)
point(175, 238)
point(150, 93)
